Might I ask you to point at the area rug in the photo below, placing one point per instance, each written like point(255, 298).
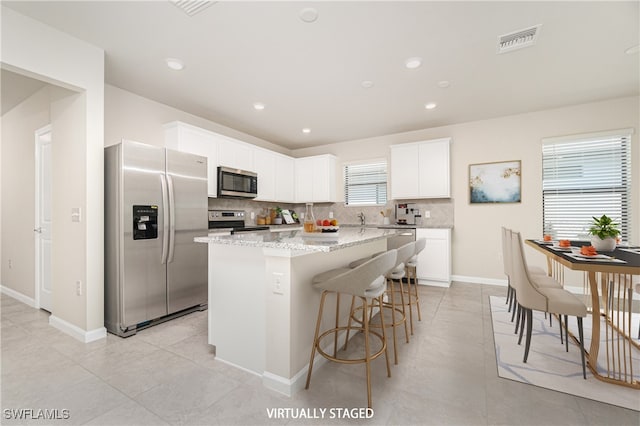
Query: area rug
point(549, 365)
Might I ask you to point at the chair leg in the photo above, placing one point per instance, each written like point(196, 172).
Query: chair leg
point(508, 296)
point(335, 335)
point(367, 351)
point(515, 305)
point(346, 341)
point(315, 338)
point(517, 309)
point(384, 335)
point(408, 274)
point(404, 312)
point(393, 320)
point(560, 325)
point(527, 345)
point(581, 336)
point(566, 332)
point(524, 319)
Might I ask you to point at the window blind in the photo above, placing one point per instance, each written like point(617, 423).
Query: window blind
point(584, 177)
point(365, 184)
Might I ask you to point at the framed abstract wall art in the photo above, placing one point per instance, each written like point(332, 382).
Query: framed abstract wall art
point(495, 182)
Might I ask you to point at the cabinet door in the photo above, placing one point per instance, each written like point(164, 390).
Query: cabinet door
point(235, 154)
point(284, 174)
point(434, 262)
point(324, 178)
point(265, 166)
point(304, 179)
point(405, 163)
point(185, 138)
point(434, 169)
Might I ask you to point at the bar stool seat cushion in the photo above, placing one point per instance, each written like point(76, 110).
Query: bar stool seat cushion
point(397, 273)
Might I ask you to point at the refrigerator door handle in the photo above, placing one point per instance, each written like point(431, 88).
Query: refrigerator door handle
point(172, 221)
point(165, 221)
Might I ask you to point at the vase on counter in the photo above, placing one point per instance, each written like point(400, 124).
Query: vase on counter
point(309, 219)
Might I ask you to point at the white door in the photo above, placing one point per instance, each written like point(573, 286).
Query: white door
point(43, 218)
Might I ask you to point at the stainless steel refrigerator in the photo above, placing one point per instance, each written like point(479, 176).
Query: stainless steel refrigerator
point(155, 204)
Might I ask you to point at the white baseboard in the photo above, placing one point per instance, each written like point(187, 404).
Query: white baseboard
point(76, 332)
point(479, 280)
point(431, 283)
point(18, 296)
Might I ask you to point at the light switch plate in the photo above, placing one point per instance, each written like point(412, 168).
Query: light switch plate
point(76, 214)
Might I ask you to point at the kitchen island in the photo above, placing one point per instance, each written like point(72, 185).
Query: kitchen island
point(262, 306)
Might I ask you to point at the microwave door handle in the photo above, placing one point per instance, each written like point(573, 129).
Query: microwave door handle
point(165, 220)
point(172, 219)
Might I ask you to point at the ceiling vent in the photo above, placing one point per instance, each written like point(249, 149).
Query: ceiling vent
point(191, 7)
point(518, 39)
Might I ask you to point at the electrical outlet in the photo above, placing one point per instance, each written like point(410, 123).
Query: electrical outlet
point(330, 215)
point(79, 288)
point(278, 277)
point(426, 214)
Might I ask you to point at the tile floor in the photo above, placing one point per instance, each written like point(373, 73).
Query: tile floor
point(168, 375)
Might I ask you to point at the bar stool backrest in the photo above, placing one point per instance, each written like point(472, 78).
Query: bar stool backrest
point(405, 253)
point(358, 280)
point(526, 293)
point(421, 243)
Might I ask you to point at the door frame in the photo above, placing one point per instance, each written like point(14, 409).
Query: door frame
point(38, 134)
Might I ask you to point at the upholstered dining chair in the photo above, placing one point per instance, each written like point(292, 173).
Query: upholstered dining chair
point(545, 299)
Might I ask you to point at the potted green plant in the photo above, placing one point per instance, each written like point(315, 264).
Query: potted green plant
point(603, 233)
point(277, 220)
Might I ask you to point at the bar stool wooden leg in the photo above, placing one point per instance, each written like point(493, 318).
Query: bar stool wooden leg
point(384, 336)
point(404, 313)
point(315, 338)
point(335, 336)
point(415, 288)
point(408, 274)
point(367, 350)
point(353, 302)
point(393, 320)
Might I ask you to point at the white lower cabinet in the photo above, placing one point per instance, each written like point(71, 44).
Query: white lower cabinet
point(434, 262)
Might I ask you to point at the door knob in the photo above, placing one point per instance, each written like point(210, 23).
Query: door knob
point(38, 230)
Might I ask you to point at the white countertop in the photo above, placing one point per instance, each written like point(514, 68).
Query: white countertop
point(299, 240)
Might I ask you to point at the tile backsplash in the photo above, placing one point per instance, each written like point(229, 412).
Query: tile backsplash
point(441, 210)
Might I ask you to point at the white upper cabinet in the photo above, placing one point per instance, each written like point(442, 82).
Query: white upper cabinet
point(235, 154)
point(275, 175)
point(187, 138)
point(315, 179)
point(420, 170)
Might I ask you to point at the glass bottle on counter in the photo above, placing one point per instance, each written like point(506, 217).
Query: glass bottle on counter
point(309, 219)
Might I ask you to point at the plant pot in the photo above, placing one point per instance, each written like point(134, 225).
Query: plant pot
point(608, 244)
point(277, 221)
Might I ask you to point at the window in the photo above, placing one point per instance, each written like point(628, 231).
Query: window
point(365, 184)
point(586, 176)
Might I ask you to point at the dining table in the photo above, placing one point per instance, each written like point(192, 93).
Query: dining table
point(609, 280)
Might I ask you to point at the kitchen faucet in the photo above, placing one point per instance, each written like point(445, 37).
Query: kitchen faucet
point(361, 217)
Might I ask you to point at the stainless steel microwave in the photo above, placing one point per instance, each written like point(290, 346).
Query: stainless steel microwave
point(236, 183)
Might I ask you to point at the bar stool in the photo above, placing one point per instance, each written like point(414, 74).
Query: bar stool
point(366, 281)
point(412, 274)
point(398, 313)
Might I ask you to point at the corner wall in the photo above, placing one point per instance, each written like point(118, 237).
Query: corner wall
point(39, 51)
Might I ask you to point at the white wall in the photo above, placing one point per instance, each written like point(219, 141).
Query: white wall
point(476, 234)
point(18, 189)
point(129, 116)
point(38, 51)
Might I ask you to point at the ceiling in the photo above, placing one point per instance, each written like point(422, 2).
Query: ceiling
point(310, 75)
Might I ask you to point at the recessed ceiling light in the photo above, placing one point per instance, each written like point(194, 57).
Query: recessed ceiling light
point(309, 15)
point(258, 105)
point(367, 84)
point(430, 105)
point(413, 63)
point(444, 84)
point(633, 49)
point(174, 64)
point(306, 130)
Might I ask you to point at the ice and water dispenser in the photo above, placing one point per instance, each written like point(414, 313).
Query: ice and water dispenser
point(145, 222)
